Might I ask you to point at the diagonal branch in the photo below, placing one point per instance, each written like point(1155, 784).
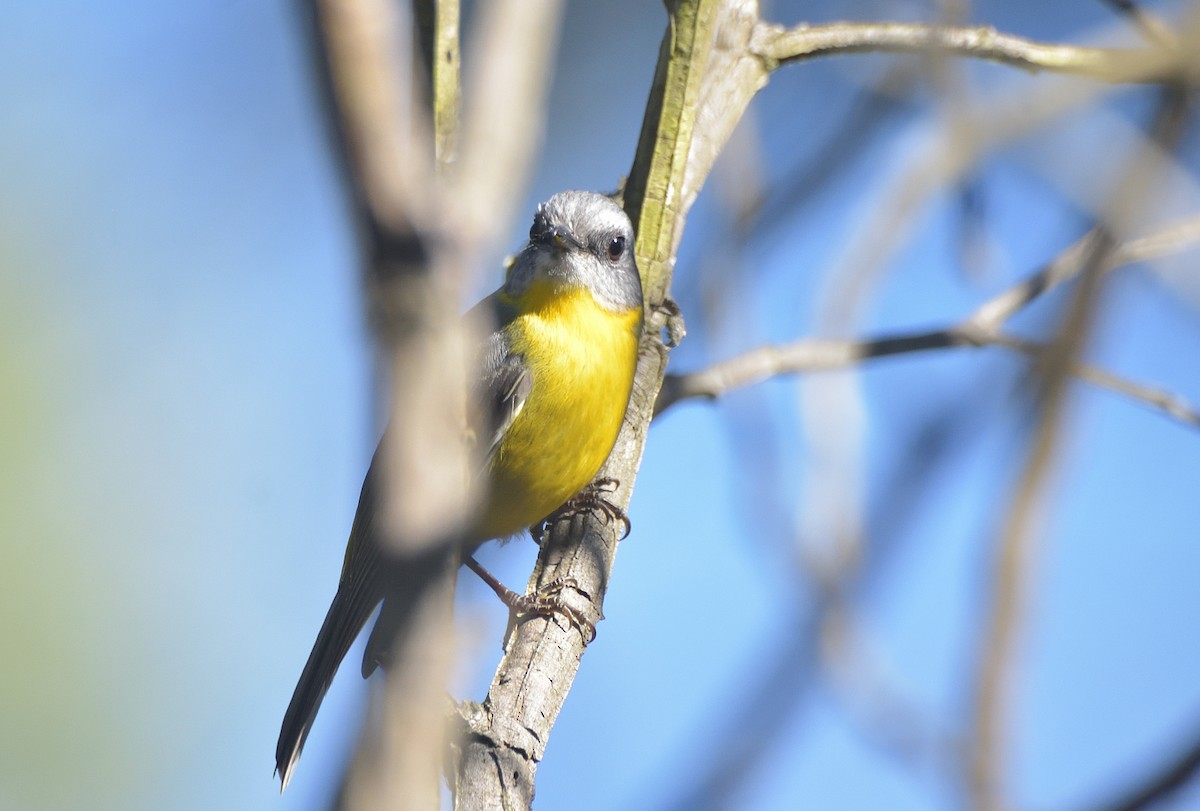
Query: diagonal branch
point(1173, 774)
point(686, 124)
point(1152, 28)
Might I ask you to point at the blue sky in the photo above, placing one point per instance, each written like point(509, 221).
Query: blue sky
point(187, 408)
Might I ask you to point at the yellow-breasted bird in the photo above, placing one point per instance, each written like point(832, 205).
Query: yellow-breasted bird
point(553, 382)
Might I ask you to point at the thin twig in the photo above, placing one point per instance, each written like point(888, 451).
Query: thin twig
point(778, 45)
point(980, 328)
point(816, 355)
point(1178, 236)
point(1158, 399)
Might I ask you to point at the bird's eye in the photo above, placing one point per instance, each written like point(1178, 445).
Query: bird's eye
point(616, 248)
point(540, 228)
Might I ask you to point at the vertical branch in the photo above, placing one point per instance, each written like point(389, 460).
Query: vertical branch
point(446, 85)
point(422, 230)
point(706, 76)
point(509, 67)
point(1016, 544)
point(365, 48)
point(1012, 564)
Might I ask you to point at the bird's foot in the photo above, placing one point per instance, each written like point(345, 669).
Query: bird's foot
point(545, 602)
point(593, 498)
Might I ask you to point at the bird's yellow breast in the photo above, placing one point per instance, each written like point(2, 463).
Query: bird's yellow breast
point(582, 359)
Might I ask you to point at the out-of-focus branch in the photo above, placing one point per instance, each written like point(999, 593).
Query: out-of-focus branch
point(987, 755)
point(423, 230)
point(507, 78)
point(1167, 403)
point(1174, 773)
point(1153, 28)
point(1017, 541)
point(455, 216)
point(881, 712)
point(364, 48)
point(778, 45)
point(981, 328)
point(383, 138)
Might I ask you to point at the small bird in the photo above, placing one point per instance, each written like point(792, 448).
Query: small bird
point(553, 381)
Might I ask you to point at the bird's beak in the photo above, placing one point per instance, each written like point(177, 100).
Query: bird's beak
point(564, 239)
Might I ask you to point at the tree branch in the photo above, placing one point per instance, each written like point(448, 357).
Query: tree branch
point(1152, 27)
point(1005, 612)
point(1172, 775)
point(445, 66)
point(364, 48)
point(1017, 539)
point(777, 46)
point(980, 328)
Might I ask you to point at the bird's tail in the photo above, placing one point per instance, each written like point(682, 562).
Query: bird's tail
point(349, 612)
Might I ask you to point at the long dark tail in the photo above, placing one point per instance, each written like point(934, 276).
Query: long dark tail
point(359, 591)
point(356, 598)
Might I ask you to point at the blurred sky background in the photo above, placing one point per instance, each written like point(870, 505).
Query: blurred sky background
point(187, 407)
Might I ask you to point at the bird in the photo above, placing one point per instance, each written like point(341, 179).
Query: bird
point(552, 382)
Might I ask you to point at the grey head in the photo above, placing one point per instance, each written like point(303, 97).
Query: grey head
point(580, 239)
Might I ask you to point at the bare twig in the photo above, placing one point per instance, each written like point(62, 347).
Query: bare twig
point(992, 314)
point(1166, 402)
point(980, 328)
point(1178, 236)
point(778, 45)
point(765, 362)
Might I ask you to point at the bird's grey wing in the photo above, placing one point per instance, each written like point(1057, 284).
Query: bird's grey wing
point(505, 381)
